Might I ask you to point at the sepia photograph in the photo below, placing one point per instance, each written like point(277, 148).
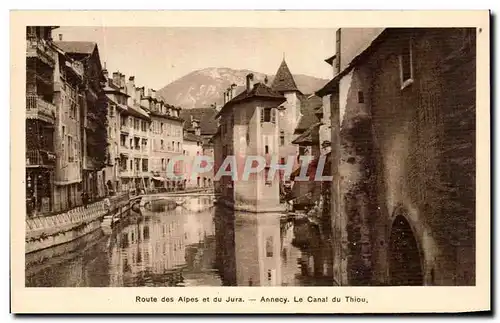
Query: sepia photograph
point(174, 156)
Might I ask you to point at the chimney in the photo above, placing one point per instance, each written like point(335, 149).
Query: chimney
point(233, 90)
point(137, 95)
point(60, 37)
point(116, 78)
point(225, 98)
point(122, 81)
point(229, 97)
point(131, 87)
point(266, 80)
point(249, 82)
point(105, 74)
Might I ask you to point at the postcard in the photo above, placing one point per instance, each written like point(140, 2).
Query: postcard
point(250, 162)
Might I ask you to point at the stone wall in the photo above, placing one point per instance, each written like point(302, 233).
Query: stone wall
point(407, 153)
point(47, 231)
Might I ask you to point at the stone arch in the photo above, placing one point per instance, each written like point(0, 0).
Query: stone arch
point(405, 259)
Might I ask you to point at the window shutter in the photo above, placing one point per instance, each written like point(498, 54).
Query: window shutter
point(262, 115)
point(273, 115)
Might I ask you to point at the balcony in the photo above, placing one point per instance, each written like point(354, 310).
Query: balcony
point(39, 48)
point(124, 129)
point(76, 67)
point(37, 108)
point(40, 158)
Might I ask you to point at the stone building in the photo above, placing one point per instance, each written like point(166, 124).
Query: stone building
point(208, 128)
point(41, 118)
point(135, 124)
point(165, 137)
point(93, 116)
point(403, 156)
point(193, 146)
point(117, 96)
point(249, 126)
point(68, 98)
point(290, 110)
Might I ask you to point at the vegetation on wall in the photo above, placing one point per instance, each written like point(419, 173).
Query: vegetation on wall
point(99, 147)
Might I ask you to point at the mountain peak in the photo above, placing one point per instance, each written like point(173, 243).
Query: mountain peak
point(204, 87)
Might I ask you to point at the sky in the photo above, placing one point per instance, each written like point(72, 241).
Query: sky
point(157, 56)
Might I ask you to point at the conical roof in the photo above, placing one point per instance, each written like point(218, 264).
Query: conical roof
point(283, 81)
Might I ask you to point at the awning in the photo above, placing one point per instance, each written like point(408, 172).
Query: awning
point(156, 178)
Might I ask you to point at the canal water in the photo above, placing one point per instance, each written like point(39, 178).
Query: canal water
point(196, 244)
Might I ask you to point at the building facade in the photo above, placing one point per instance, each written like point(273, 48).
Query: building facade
point(117, 97)
point(93, 115)
point(289, 112)
point(208, 127)
point(193, 147)
point(403, 157)
point(41, 62)
point(250, 127)
point(68, 98)
point(135, 125)
point(166, 138)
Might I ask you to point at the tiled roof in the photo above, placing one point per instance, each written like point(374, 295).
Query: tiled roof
point(260, 90)
point(283, 81)
point(208, 123)
point(310, 137)
point(137, 112)
point(188, 136)
point(309, 107)
point(77, 47)
point(165, 116)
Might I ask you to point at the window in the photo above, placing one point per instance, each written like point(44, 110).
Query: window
point(406, 64)
point(111, 111)
point(136, 124)
point(266, 115)
point(144, 126)
point(361, 97)
point(62, 141)
point(282, 161)
point(131, 143)
point(178, 146)
point(144, 165)
point(161, 144)
point(163, 164)
point(144, 144)
point(173, 146)
point(71, 156)
point(123, 164)
point(131, 165)
point(282, 138)
point(161, 127)
point(73, 110)
point(266, 149)
point(269, 182)
point(137, 163)
point(137, 143)
point(269, 246)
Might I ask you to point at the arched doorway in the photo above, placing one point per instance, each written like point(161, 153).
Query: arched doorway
point(405, 268)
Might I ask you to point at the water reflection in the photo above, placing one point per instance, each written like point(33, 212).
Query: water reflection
point(195, 244)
